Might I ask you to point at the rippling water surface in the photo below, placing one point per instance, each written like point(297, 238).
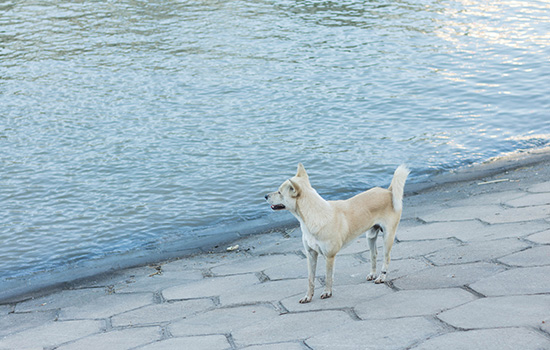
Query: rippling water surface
point(130, 124)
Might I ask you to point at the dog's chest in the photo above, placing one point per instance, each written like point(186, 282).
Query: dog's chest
point(311, 241)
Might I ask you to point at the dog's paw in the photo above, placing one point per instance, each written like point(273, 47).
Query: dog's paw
point(326, 295)
point(305, 299)
point(371, 277)
point(381, 279)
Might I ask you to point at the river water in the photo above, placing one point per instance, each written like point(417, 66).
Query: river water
point(129, 124)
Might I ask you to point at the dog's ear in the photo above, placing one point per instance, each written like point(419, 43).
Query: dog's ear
point(301, 171)
point(294, 189)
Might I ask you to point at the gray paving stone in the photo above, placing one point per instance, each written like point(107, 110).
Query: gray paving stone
point(412, 249)
point(5, 309)
point(488, 339)
point(531, 280)
point(210, 287)
point(439, 230)
point(346, 296)
point(537, 256)
point(376, 334)
point(116, 339)
point(270, 243)
point(516, 214)
point(359, 245)
point(540, 187)
point(222, 320)
point(51, 334)
point(278, 346)
point(13, 323)
point(491, 198)
point(116, 278)
point(540, 237)
point(494, 312)
point(469, 231)
point(182, 275)
point(162, 313)
point(411, 210)
point(530, 200)
point(269, 291)
point(407, 303)
point(256, 264)
point(448, 276)
point(60, 299)
point(210, 342)
point(404, 267)
point(155, 283)
point(290, 327)
point(292, 271)
point(205, 261)
point(477, 251)
point(462, 213)
point(499, 231)
point(106, 306)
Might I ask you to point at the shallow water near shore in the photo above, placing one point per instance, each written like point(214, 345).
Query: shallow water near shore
point(127, 126)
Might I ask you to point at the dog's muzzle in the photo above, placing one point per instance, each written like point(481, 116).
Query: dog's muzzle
point(275, 206)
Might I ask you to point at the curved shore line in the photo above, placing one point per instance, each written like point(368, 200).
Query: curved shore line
point(215, 240)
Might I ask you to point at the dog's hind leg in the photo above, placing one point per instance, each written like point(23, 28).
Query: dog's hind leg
point(389, 236)
point(311, 268)
point(372, 235)
point(330, 278)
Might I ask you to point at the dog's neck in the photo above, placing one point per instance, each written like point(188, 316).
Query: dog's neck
point(312, 210)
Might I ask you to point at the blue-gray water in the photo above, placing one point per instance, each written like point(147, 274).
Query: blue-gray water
point(131, 124)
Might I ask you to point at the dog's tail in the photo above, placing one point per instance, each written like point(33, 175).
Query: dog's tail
point(397, 186)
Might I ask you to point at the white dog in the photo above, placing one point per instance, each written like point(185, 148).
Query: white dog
point(327, 226)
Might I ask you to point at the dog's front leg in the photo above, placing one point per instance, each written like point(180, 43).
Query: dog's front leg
point(311, 268)
point(330, 277)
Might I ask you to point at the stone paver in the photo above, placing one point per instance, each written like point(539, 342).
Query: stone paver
point(488, 339)
point(106, 306)
point(530, 200)
point(289, 327)
point(448, 276)
point(530, 280)
point(17, 322)
point(462, 213)
point(51, 334)
point(409, 303)
point(269, 291)
point(510, 311)
point(376, 334)
point(214, 342)
point(469, 231)
point(116, 339)
point(210, 287)
point(161, 313)
point(226, 320)
point(537, 256)
point(478, 251)
point(540, 187)
point(516, 214)
point(470, 269)
point(261, 263)
point(540, 237)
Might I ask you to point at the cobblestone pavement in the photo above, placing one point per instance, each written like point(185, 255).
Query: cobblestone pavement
point(470, 270)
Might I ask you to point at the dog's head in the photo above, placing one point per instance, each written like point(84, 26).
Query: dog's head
point(289, 192)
